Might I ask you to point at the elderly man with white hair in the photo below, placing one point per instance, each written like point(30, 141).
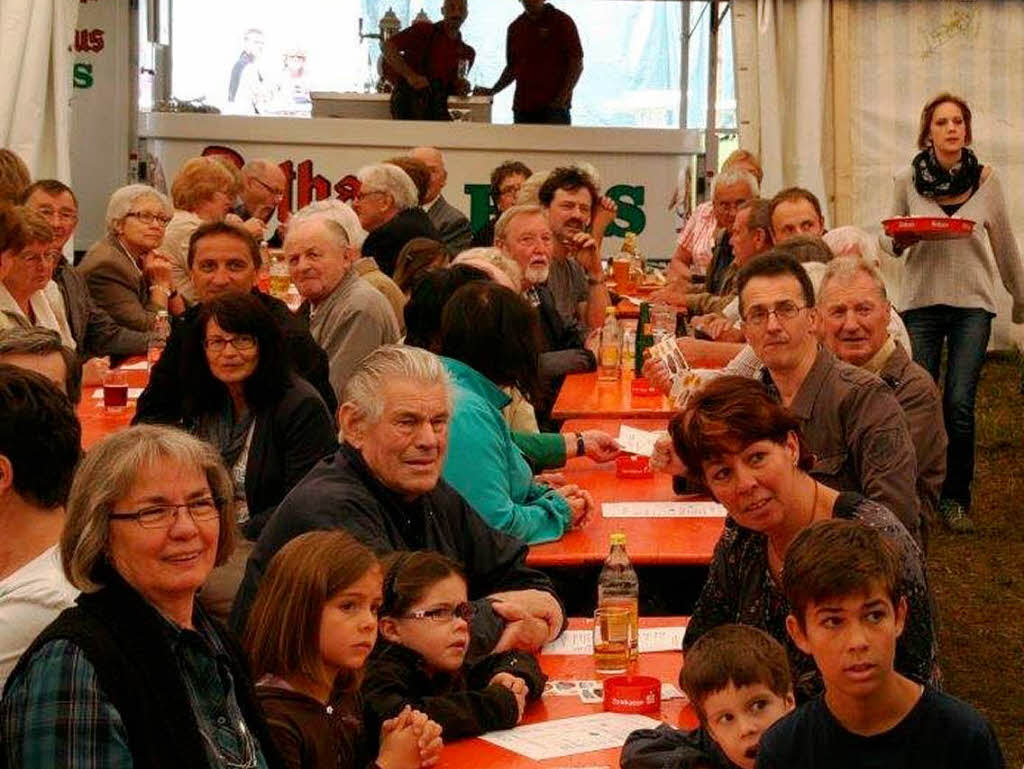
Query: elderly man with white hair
point(347, 317)
point(855, 312)
point(451, 223)
point(384, 486)
point(387, 205)
point(125, 272)
point(365, 266)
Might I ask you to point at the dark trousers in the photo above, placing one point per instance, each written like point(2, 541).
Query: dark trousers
point(965, 332)
point(545, 116)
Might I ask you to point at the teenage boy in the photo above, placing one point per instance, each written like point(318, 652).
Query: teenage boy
point(737, 678)
point(840, 578)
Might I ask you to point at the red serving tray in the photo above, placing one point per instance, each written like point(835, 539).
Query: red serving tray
point(929, 227)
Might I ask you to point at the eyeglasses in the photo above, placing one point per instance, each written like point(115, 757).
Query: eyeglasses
point(443, 614)
point(278, 194)
point(782, 311)
point(242, 343)
point(366, 193)
point(63, 215)
point(511, 189)
point(37, 259)
point(147, 218)
point(161, 516)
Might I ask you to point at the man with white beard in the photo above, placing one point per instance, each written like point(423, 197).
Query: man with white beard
point(524, 234)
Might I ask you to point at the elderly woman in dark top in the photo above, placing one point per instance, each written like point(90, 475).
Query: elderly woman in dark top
point(136, 674)
point(747, 449)
point(269, 425)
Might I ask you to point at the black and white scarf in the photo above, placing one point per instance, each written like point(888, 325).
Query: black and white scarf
point(934, 181)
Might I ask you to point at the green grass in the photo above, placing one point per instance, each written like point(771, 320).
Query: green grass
point(978, 580)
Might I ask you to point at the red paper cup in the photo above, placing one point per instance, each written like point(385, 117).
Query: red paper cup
point(632, 694)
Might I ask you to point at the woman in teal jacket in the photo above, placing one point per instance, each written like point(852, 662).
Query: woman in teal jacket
point(489, 341)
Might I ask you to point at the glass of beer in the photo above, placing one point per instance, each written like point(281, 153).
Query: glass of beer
point(613, 631)
point(115, 391)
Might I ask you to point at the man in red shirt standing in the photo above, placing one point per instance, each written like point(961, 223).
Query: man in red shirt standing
point(544, 56)
point(427, 63)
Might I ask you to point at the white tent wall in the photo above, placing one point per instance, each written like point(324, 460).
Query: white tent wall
point(35, 38)
point(835, 87)
point(781, 55)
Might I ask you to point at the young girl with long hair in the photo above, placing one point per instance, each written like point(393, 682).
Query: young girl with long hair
point(420, 660)
point(311, 628)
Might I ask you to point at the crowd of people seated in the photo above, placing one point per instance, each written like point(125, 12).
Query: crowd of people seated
point(309, 550)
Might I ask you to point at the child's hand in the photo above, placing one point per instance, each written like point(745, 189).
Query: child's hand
point(399, 743)
point(517, 686)
point(430, 742)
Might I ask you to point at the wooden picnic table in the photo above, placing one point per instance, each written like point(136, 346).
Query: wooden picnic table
point(649, 541)
point(665, 666)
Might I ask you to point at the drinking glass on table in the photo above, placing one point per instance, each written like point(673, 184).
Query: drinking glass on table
point(115, 391)
point(663, 321)
point(613, 637)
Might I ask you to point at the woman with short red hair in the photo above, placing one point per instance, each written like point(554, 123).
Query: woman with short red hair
point(748, 451)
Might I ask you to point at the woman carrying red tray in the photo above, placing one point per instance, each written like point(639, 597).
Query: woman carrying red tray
point(949, 288)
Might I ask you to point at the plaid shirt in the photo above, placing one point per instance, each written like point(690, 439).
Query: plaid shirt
point(56, 714)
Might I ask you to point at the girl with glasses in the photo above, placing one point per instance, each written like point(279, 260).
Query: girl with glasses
point(311, 628)
point(420, 660)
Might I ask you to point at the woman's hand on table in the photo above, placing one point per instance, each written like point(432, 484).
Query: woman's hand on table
point(580, 502)
point(429, 733)
point(664, 459)
point(93, 371)
point(554, 480)
point(599, 446)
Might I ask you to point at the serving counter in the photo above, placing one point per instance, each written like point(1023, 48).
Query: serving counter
point(639, 167)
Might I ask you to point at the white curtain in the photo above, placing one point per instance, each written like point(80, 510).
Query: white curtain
point(35, 92)
point(782, 79)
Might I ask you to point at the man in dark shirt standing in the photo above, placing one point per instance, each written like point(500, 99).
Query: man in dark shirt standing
point(427, 63)
point(544, 56)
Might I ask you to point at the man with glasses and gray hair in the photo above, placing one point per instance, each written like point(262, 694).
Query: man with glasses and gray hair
point(849, 418)
point(387, 205)
point(384, 486)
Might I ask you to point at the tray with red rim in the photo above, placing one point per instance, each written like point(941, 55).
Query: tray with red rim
point(929, 227)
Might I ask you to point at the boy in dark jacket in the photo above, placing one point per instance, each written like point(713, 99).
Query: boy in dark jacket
point(737, 678)
point(420, 658)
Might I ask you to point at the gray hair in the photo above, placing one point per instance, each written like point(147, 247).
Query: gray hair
point(520, 209)
point(853, 241)
point(843, 269)
point(337, 211)
point(388, 178)
point(806, 249)
point(106, 476)
point(530, 189)
point(502, 269)
point(388, 363)
point(258, 166)
point(731, 176)
point(122, 200)
point(37, 340)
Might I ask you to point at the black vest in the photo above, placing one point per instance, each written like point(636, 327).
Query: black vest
point(120, 634)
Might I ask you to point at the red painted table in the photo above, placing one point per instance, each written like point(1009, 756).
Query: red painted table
point(477, 753)
point(649, 541)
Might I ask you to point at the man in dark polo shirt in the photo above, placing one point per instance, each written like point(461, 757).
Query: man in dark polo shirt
point(422, 62)
point(544, 56)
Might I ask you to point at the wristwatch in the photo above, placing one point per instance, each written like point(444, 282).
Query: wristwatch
point(580, 447)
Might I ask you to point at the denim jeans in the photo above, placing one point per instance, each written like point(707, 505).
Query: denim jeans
point(965, 332)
